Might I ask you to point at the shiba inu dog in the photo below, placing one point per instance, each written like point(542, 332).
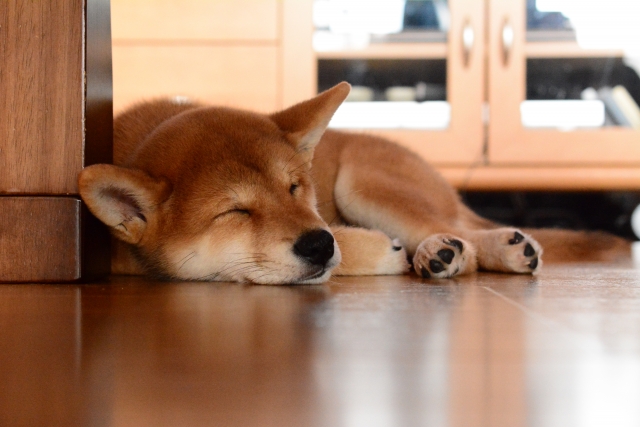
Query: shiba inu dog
point(212, 193)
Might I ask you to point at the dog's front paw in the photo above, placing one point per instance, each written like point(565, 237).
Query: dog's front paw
point(443, 255)
point(369, 252)
point(394, 260)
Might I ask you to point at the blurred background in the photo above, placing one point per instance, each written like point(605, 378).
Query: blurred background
point(528, 107)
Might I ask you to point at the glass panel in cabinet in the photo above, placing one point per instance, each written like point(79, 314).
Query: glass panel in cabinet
point(394, 54)
point(583, 64)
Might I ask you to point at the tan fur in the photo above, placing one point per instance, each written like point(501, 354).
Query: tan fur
point(567, 246)
point(366, 252)
point(208, 193)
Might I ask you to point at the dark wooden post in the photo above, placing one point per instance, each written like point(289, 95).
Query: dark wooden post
point(55, 118)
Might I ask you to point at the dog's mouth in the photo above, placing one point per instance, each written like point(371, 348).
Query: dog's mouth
point(319, 273)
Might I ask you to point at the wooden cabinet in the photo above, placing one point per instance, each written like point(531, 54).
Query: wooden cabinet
point(195, 20)
point(461, 143)
point(258, 54)
point(226, 52)
point(500, 153)
point(56, 118)
point(253, 54)
point(512, 143)
point(238, 76)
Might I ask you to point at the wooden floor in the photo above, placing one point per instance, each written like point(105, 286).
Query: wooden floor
point(559, 349)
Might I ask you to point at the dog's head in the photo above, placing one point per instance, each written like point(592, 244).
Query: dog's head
point(221, 194)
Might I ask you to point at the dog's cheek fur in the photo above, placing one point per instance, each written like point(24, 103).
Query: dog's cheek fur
point(234, 252)
point(210, 257)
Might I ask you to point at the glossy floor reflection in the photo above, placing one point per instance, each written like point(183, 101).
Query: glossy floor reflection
point(559, 349)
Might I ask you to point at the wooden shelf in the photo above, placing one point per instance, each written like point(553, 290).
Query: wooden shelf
point(439, 51)
point(487, 178)
point(390, 51)
point(566, 50)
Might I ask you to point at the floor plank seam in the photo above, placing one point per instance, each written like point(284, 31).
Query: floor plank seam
point(548, 322)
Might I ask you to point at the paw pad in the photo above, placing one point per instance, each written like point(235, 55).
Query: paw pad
point(446, 255)
point(436, 266)
point(522, 253)
point(425, 273)
point(440, 256)
point(455, 243)
point(517, 238)
point(528, 250)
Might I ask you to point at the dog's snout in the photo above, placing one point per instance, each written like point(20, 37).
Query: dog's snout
point(316, 246)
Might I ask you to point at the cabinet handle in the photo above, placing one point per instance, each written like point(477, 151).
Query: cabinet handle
point(507, 41)
point(468, 38)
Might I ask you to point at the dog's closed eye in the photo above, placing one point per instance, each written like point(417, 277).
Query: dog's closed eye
point(240, 211)
point(293, 188)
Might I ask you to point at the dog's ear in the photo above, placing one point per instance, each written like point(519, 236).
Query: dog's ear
point(124, 199)
point(306, 122)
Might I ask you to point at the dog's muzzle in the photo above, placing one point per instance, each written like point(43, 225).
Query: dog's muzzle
point(315, 247)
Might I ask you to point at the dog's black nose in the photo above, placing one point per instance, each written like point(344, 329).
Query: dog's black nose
point(316, 246)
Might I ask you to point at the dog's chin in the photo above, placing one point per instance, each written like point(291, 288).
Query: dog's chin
point(310, 277)
point(320, 274)
point(314, 278)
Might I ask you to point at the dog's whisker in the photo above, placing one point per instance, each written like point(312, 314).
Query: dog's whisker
point(232, 190)
point(337, 232)
point(246, 266)
point(208, 277)
point(255, 279)
point(305, 163)
point(245, 260)
point(336, 217)
point(245, 253)
point(187, 256)
point(351, 193)
point(235, 265)
point(296, 154)
point(185, 260)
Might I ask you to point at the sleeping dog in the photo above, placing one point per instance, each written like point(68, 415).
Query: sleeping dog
point(211, 193)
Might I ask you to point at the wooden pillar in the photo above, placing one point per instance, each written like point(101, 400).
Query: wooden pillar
point(56, 118)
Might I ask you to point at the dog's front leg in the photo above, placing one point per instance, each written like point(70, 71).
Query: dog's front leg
point(368, 252)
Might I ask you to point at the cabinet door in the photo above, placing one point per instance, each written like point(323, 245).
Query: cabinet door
point(234, 76)
point(549, 52)
point(195, 20)
point(445, 126)
point(223, 52)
